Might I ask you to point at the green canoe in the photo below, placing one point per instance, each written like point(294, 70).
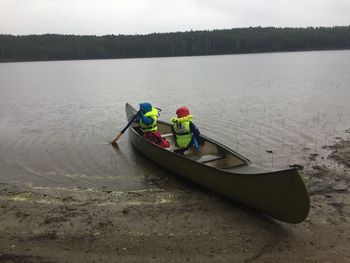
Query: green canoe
point(280, 194)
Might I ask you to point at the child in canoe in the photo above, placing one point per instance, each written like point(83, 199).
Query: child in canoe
point(185, 133)
point(147, 118)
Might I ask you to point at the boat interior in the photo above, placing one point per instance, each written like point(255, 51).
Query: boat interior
point(209, 153)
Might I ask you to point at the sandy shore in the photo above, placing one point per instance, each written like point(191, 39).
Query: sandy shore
point(39, 224)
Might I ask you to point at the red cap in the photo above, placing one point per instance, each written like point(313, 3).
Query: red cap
point(182, 112)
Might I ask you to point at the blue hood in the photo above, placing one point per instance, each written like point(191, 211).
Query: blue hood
point(145, 107)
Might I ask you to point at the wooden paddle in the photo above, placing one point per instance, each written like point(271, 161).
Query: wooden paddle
point(126, 127)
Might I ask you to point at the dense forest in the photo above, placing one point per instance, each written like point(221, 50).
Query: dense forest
point(230, 41)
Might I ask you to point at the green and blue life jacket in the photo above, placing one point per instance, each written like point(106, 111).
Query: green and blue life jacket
point(182, 130)
point(153, 114)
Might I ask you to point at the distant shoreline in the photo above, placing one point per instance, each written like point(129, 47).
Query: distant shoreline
point(251, 53)
point(54, 47)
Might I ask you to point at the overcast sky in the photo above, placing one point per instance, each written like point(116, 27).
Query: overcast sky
point(102, 17)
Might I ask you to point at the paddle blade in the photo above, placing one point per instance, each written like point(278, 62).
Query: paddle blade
point(116, 139)
point(125, 128)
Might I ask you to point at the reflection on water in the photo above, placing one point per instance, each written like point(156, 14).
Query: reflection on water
point(56, 117)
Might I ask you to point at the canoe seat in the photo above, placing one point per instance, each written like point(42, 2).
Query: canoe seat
point(208, 158)
point(170, 139)
point(167, 135)
point(172, 148)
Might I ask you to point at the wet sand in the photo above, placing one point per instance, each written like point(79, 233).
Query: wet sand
point(186, 223)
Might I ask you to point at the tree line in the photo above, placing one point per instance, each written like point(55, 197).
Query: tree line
point(191, 43)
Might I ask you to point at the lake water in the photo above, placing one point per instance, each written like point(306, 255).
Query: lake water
point(56, 117)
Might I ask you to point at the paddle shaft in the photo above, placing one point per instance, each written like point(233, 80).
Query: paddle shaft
point(126, 127)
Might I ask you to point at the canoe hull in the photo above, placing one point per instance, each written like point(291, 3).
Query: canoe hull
point(279, 194)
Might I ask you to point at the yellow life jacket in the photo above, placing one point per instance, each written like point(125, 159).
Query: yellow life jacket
point(182, 130)
point(153, 126)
